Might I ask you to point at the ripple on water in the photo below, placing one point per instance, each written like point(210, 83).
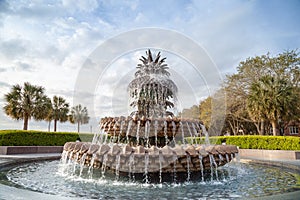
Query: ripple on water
point(245, 180)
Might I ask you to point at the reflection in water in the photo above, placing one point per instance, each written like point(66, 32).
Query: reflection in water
point(235, 180)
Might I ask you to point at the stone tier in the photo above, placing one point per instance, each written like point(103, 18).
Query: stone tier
point(125, 158)
point(150, 127)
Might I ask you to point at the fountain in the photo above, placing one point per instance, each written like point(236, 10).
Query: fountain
point(146, 156)
point(151, 141)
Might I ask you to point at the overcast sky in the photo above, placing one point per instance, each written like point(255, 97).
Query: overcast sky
point(49, 44)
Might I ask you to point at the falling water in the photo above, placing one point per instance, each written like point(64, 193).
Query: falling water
point(237, 157)
point(101, 133)
point(220, 158)
point(182, 132)
point(228, 170)
point(201, 167)
point(207, 142)
point(213, 163)
point(112, 138)
point(121, 130)
point(147, 131)
point(195, 133)
point(118, 160)
point(128, 130)
point(131, 167)
point(174, 131)
point(174, 168)
point(64, 156)
point(160, 166)
point(211, 168)
point(70, 170)
point(188, 126)
point(82, 161)
point(103, 165)
point(227, 157)
point(138, 132)
point(146, 168)
point(155, 131)
point(149, 91)
point(75, 163)
point(199, 128)
point(98, 134)
point(188, 160)
point(106, 135)
point(91, 167)
point(166, 131)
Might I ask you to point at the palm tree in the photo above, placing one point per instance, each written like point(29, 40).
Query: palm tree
point(59, 111)
point(271, 98)
point(79, 115)
point(49, 117)
point(255, 107)
point(27, 102)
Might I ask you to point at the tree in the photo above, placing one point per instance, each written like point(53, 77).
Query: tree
point(205, 111)
point(283, 67)
point(272, 98)
point(27, 102)
point(49, 117)
point(79, 115)
point(192, 112)
point(59, 111)
point(237, 90)
point(237, 116)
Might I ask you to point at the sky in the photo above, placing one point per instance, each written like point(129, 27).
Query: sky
point(86, 50)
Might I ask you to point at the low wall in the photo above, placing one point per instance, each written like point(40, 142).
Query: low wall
point(10, 150)
point(269, 154)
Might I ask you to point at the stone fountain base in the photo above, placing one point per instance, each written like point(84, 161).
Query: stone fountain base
point(124, 158)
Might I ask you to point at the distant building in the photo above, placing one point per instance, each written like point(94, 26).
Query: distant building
point(292, 128)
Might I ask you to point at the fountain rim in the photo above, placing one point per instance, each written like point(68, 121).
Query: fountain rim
point(17, 160)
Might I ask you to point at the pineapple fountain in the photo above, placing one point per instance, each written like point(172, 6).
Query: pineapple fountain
point(150, 143)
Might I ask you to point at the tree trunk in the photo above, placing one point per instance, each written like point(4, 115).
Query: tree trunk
point(257, 125)
point(55, 123)
point(25, 125)
point(275, 128)
point(262, 128)
point(78, 125)
point(231, 127)
point(49, 125)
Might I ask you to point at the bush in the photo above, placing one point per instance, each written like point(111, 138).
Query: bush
point(35, 138)
point(254, 142)
point(86, 137)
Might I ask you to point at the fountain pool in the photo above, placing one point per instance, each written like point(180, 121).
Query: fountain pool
point(235, 180)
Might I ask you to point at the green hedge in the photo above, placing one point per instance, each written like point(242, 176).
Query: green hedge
point(255, 142)
point(35, 138)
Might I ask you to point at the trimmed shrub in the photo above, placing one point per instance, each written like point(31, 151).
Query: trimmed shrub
point(254, 142)
point(86, 137)
point(35, 138)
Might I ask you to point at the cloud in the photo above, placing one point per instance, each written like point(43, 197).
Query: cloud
point(4, 84)
point(3, 69)
point(13, 48)
point(80, 5)
point(4, 9)
point(34, 11)
point(24, 67)
point(49, 44)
